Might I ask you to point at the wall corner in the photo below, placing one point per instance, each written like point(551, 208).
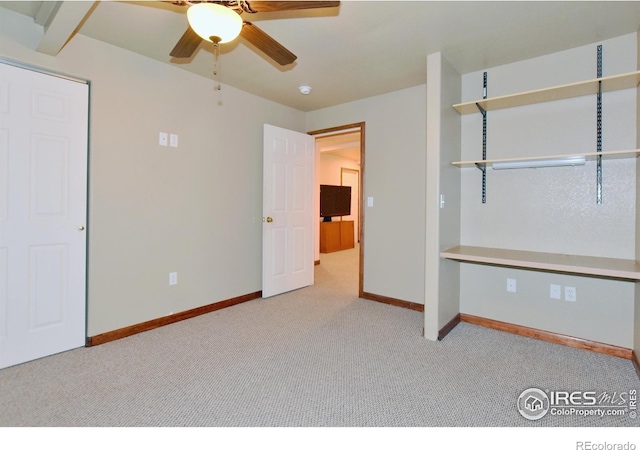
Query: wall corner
point(442, 279)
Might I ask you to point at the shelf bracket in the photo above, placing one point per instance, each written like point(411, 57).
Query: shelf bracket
point(599, 129)
point(483, 167)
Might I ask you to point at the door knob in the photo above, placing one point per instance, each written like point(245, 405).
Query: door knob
point(269, 219)
point(81, 228)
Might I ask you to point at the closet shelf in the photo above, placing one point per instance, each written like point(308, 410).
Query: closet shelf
point(617, 154)
point(611, 83)
point(624, 269)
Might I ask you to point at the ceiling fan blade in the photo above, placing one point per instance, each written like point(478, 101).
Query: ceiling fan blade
point(267, 44)
point(187, 44)
point(269, 6)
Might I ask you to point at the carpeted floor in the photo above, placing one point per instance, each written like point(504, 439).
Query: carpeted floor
point(316, 357)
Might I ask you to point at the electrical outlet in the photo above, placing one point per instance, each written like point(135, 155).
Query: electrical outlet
point(570, 294)
point(173, 140)
point(173, 278)
point(511, 285)
point(555, 291)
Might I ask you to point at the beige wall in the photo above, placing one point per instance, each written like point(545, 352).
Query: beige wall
point(394, 176)
point(553, 210)
point(195, 210)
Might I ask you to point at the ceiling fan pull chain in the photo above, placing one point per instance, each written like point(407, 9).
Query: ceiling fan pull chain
point(216, 55)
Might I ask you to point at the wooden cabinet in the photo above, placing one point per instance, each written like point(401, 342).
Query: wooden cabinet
point(336, 236)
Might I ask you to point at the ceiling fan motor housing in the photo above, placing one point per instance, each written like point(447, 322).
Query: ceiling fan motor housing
point(207, 29)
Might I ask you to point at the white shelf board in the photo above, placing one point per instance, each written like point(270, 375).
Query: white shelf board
point(611, 83)
point(552, 262)
point(616, 154)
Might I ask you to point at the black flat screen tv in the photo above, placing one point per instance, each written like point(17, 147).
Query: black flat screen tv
point(335, 201)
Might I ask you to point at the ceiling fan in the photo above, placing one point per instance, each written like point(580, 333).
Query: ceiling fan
point(190, 40)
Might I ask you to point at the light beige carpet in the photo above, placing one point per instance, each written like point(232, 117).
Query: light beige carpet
point(316, 357)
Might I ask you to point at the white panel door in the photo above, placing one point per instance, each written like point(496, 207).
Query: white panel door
point(288, 211)
point(43, 189)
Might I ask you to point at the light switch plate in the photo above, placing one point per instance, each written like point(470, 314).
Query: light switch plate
point(163, 139)
point(570, 294)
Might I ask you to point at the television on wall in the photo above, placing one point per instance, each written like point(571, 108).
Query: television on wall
point(335, 201)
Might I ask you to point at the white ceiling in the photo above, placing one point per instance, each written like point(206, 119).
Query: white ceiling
point(346, 145)
point(362, 48)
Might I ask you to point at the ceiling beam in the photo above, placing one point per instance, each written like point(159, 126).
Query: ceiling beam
point(60, 21)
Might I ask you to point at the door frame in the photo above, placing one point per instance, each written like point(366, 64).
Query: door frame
point(361, 127)
point(358, 214)
point(44, 71)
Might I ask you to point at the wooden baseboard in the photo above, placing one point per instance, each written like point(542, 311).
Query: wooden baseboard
point(636, 362)
point(162, 321)
point(393, 301)
point(556, 338)
point(448, 327)
point(316, 262)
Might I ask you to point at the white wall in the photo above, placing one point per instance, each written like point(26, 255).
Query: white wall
point(330, 168)
point(195, 210)
point(394, 175)
point(552, 210)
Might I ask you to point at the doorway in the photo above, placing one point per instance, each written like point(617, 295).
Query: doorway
point(351, 138)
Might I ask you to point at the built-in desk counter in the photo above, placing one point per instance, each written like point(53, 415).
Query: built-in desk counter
point(624, 269)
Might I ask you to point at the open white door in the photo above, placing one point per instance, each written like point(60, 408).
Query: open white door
point(288, 211)
point(43, 210)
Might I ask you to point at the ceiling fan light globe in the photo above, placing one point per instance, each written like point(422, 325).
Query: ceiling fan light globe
point(210, 20)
